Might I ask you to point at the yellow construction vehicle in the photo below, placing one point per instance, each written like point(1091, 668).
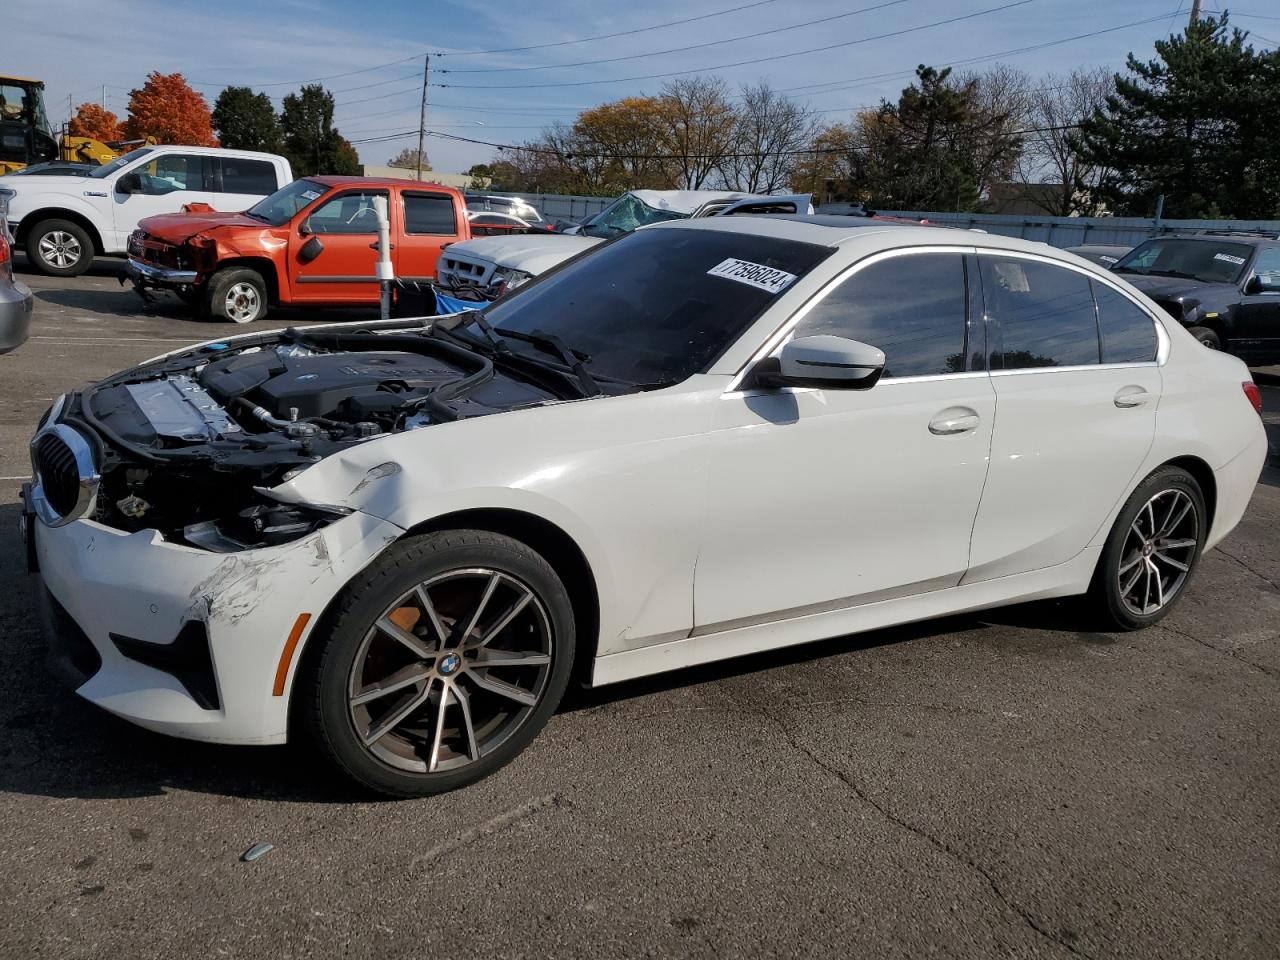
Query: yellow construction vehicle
point(26, 138)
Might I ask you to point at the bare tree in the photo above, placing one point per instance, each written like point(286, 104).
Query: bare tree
point(700, 128)
point(768, 130)
point(1052, 158)
point(1003, 107)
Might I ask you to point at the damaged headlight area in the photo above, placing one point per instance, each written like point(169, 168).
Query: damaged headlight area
point(265, 524)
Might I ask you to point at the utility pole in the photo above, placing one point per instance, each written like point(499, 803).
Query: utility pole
point(422, 117)
point(104, 96)
point(1195, 13)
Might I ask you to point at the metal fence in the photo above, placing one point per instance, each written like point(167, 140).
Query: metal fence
point(554, 205)
point(1055, 231)
point(1077, 231)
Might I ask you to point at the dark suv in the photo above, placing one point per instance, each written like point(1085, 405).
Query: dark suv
point(1224, 287)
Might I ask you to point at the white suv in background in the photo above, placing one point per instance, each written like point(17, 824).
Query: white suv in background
point(63, 222)
point(497, 265)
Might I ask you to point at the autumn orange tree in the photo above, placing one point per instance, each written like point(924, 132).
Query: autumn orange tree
point(94, 121)
point(165, 107)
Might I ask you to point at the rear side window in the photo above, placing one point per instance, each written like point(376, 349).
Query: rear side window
point(256, 177)
point(1128, 333)
point(429, 213)
point(177, 171)
point(1046, 314)
point(912, 307)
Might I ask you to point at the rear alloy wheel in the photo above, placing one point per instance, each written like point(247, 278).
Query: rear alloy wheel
point(1152, 550)
point(445, 660)
point(1207, 337)
point(60, 248)
point(238, 294)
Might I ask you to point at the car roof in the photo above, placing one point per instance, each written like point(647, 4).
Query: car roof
point(845, 232)
point(1219, 236)
point(208, 151)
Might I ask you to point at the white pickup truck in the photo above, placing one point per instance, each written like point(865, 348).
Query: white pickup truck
point(495, 266)
point(63, 222)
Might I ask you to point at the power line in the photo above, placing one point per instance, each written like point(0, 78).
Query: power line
point(608, 36)
point(695, 46)
point(850, 82)
point(803, 152)
point(741, 63)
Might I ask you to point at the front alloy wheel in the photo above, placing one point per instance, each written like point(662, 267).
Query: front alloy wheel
point(445, 659)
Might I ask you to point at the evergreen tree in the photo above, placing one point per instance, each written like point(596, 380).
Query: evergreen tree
point(1196, 124)
point(311, 141)
point(246, 120)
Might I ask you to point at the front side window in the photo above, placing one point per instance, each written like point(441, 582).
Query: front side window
point(912, 307)
point(1128, 333)
point(240, 175)
point(657, 306)
point(1267, 269)
point(1045, 313)
point(1210, 261)
point(429, 213)
point(351, 212)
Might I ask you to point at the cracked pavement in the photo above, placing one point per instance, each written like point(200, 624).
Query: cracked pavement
point(1002, 784)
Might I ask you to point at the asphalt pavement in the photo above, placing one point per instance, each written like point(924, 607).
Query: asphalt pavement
point(1004, 784)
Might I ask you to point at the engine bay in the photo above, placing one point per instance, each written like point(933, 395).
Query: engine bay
point(190, 442)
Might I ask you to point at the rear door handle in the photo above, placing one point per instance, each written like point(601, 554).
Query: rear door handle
point(954, 420)
point(1131, 396)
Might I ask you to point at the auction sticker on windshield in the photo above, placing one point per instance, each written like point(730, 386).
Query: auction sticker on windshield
point(1229, 258)
point(753, 274)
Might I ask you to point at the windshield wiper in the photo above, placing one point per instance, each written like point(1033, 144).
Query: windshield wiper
point(550, 343)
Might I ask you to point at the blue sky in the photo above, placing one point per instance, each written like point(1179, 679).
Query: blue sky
point(77, 46)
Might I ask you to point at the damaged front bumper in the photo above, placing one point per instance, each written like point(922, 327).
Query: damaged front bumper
point(144, 274)
point(187, 642)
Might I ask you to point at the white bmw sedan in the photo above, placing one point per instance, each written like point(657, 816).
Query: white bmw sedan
point(704, 439)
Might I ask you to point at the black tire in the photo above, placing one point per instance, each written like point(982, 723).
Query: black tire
point(236, 295)
point(1207, 336)
point(1106, 597)
point(337, 661)
point(60, 248)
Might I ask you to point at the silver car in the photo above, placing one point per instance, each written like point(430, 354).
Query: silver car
point(15, 297)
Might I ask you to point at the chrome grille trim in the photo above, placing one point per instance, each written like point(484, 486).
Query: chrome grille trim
point(66, 476)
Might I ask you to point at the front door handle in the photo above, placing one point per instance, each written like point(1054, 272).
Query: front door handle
point(954, 420)
point(1131, 396)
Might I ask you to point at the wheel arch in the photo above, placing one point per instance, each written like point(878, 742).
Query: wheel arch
point(29, 221)
point(549, 540)
point(264, 266)
point(1203, 475)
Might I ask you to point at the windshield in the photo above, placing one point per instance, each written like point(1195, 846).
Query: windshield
point(626, 214)
point(1211, 261)
point(657, 306)
point(279, 208)
point(107, 169)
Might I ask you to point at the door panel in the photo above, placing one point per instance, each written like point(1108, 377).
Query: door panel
point(346, 226)
point(430, 224)
point(820, 499)
point(826, 498)
point(1071, 432)
point(168, 182)
point(1256, 336)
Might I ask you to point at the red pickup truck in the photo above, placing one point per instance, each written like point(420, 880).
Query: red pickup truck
point(311, 243)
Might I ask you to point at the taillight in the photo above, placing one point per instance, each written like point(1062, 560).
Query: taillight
point(4, 246)
point(1254, 394)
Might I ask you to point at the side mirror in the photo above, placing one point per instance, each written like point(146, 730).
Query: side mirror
point(129, 183)
point(304, 230)
point(310, 250)
point(833, 363)
point(1262, 283)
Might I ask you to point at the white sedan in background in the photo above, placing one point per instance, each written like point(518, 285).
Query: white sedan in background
point(709, 438)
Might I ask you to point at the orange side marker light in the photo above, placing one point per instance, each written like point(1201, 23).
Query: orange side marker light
point(286, 655)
